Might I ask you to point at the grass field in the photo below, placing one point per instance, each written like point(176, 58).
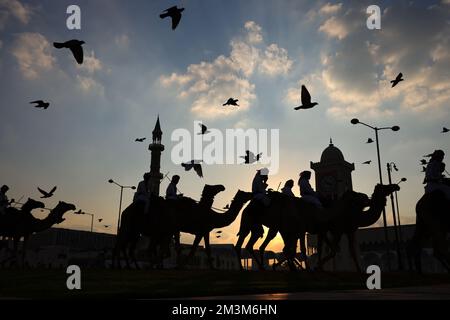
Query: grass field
point(113, 284)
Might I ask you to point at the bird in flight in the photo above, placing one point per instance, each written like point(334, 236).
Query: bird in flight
point(193, 164)
point(204, 129)
point(46, 194)
point(40, 104)
point(140, 139)
point(306, 100)
point(250, 157)
point(75, 46)
point(174, 13)
point(445, 130)
point(397, 80)
point(100, 220)
point(220, 231)
point(369, 140)
point(231, 102)
point(106, 226)
point(423, 162)
point(367, 162)
point(218, 236)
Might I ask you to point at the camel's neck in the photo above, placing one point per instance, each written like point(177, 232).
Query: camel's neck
point(371, 216)
point(227, 218)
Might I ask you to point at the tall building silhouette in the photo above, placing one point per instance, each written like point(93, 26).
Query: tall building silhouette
point(333, 173)
point(156, 148)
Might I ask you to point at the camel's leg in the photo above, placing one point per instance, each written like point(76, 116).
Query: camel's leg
point(440, 249)
point(256, 233)
point(303, 249)
point(270, 235)
point(238, 246)
point(208, 250)
point(333, 247)
point(352, 248)
point(197, 240)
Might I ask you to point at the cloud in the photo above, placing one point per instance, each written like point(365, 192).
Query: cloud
point(330, 8)
point(210, 84)
point(90, 85)
point(91, 64)
point(275, 61)
point(15, 8)
point(335, 28)
point(354, 75)
point(33, 54)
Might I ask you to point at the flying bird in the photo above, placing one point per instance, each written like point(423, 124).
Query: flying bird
point(204, 129)
point(445, 130)
point(40, 104)
point(220, 231)
point(369, 140)
point(75, 46)
point(367, 162)
point(218, 236)
point(140, 139)
point(231, 102)
point(174, 13)
point(46, 194)
point(106, 226)
point(250, 157)
point(193, 164)
point(100, 220)
point(397, 79)
point(423, 162)
point(306, 100)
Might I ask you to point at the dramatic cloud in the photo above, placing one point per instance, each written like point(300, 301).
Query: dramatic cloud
point(355, 74)
point(330, 8)
point(210, 84)
point(16, 9)
point(91, 64)
point(33, 54)
point(335, 28)
point(90, 85)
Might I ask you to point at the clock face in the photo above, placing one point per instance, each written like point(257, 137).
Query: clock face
point(328, 183)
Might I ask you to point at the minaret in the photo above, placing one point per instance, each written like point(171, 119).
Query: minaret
point(155, 148)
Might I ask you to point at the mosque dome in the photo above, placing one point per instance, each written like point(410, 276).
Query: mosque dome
point(332, 154)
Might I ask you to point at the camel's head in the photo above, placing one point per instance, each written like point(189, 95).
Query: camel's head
point(33, 204)
point(243, 196)
point(383, 190)
point(61, 208)
point(210, 191)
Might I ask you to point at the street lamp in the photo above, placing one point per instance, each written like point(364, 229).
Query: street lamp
point(398, 211)
point(376, 129)
point(390, 166)
point(120, 203)
point(90, 214)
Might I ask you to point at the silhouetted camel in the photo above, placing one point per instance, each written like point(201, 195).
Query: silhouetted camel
point(432, 222)
point(17, 223)
point(135, 222)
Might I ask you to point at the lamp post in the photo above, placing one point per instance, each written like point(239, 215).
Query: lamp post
point(376, 129)
point(90, 214)
point(120, 202)
point(390, 166)
point(398, 211)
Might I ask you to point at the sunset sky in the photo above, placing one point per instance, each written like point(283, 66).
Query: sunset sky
point(259, 52)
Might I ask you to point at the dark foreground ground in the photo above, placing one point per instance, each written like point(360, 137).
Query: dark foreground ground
point(151, 284)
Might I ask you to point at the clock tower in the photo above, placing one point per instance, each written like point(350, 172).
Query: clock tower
point(333, 174)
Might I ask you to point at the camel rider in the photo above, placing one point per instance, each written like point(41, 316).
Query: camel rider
point(434, 178)
point(259, 186)
point(4, 203)
point(287, 189)
point(142, 195)
point(306, 191)
point(171, 191)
